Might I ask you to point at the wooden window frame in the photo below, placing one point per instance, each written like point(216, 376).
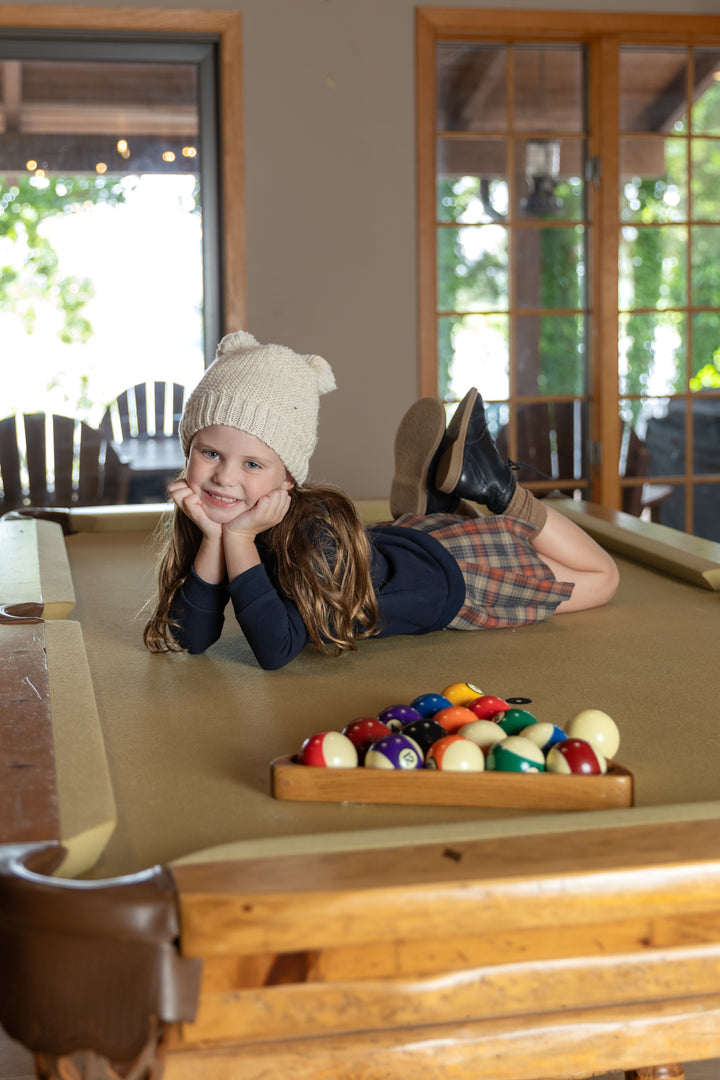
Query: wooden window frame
point(600, 33)
point(227, 27)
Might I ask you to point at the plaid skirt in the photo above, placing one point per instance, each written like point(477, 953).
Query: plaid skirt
point(506, 581)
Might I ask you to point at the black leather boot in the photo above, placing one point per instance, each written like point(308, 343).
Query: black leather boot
point(419, 443)
point(469, 465)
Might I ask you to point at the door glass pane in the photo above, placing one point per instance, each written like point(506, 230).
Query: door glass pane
point(101, 225)
point(551, 268)
point(706, 103)
point(653, 180)
point(653, 89)
point(471, 179)
point(471, 87)
point(705, 369)
point(550, 354)
point(472, 268)
point(652, 348)
point(550, 178)
point(652, 267)
point(475, 349)
point(705, 265)
point(548, 88)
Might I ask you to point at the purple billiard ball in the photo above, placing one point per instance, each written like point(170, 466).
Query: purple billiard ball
point(396, 716)
point(394, 752)
point(429, 704)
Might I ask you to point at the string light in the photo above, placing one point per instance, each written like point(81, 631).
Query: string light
point(189, 151)
point(168, 156)
point(101, 167)
point(31, 165)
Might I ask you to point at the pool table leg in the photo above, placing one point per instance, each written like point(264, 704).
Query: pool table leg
point(657, 1072)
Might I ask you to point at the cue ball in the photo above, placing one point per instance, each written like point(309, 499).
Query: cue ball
point(429, 704)
point(395, 716)
point(364, 731)
point(453, 753)
point(329, 748)
point(516, 754)
point(576, 756)
point(454, 717)
point(487, 706)
point(394, 752)
point(595, 727)
point(461, 693)
point(484, 733)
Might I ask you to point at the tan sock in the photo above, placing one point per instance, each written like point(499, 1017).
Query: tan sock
point(525, 507)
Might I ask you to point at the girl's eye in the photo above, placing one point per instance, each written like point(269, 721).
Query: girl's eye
point(212, 454)
point(252, 464)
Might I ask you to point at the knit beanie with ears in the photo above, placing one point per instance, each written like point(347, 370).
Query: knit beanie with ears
point(266, 390)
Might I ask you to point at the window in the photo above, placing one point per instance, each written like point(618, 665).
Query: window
point(121, 253)
point(568, 245)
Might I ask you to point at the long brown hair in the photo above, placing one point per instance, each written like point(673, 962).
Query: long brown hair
point(321, 556)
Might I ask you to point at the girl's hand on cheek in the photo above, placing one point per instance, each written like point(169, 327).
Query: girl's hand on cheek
point(267, 511)
point(186, 500)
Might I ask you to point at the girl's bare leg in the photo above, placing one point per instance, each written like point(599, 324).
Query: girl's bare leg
point(574, 556)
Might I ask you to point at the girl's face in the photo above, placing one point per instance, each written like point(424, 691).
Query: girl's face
point(230, 470)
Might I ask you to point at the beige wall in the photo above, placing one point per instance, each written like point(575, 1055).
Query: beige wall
point(329, 171)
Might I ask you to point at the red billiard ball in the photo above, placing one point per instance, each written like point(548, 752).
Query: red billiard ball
point(487, 706)
point(453, 753)
point(331, 749)
point(364, 731)
point(454, 717)
point(576, 756)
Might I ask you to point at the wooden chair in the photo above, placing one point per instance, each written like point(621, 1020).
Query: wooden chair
point(56, 461)
point(549, 438)
point(127, 416)
point(143, 424)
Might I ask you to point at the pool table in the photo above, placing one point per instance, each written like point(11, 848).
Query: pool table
point(345, 940)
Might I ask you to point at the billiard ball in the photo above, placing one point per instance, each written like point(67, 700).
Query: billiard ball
point(454, 717)
point(364, 731)
point(513, 721)
point(487, 706)
point(429, 704)
point(329, 748)
point(461, 693)
point(397, 715)
point(453, 753)
point(424, 733)
point(484, 733)
point(394, 752)
point(576, 756)
point(595, 727)
point(516, 754)
point(543, 734)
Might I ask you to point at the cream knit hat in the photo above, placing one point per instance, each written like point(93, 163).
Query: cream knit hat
point(266, 390)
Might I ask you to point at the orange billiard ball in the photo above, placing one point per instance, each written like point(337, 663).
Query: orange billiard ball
point(453, 753)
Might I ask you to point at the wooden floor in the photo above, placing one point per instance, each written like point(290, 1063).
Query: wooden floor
point(16, 1064)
